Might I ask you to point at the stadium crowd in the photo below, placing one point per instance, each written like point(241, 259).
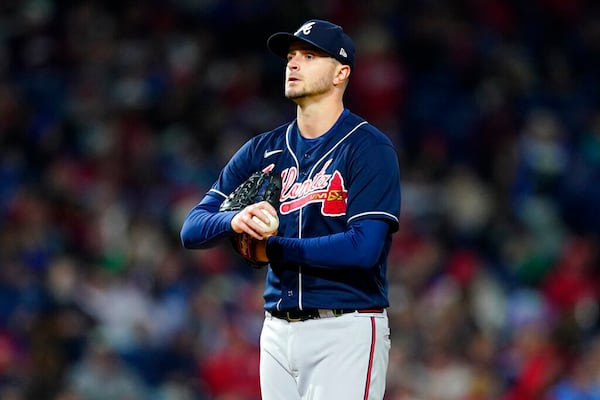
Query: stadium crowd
point(116, 116)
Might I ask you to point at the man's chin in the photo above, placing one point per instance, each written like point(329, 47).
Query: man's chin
point(294, 95)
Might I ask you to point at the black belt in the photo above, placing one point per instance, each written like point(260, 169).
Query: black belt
point(304, 315)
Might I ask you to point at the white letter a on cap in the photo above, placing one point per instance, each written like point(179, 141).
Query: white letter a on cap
point(305, 29)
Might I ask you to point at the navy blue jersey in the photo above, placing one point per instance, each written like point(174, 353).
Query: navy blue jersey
point(347, 175)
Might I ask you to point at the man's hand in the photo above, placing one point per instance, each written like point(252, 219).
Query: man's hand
point(255, 221)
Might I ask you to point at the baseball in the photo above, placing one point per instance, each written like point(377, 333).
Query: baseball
point(271, 228)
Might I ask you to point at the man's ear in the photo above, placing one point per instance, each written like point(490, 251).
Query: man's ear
point(342, 74)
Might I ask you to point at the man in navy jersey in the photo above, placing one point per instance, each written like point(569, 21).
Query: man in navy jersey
point(326, 334)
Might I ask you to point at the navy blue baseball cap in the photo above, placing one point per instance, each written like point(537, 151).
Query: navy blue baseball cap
point(324, 35)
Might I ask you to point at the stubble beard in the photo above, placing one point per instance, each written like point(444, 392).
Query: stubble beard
point(293, 93)
point(296, 93)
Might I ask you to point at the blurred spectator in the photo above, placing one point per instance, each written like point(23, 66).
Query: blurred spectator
point(101, 375)
point(232, 372)
point(581, 379)
point(532, 360)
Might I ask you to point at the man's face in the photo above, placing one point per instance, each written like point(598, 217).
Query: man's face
point(309, 71)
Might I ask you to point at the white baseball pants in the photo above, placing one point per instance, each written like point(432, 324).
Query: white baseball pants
point(336, 358)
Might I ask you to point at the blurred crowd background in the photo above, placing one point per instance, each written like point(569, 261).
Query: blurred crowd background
point(115, 118)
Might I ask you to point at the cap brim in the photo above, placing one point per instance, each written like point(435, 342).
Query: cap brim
point(279, 43)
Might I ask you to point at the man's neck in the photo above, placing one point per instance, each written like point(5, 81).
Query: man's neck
point(316, 118)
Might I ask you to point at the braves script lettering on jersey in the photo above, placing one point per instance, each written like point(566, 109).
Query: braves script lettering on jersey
point(327, 189)
point(326, 333)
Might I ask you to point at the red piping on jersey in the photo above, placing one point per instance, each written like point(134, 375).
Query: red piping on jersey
point(371, 352)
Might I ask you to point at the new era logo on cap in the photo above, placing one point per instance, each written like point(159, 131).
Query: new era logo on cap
point(324, 35)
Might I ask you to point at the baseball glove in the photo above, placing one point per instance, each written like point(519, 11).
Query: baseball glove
point(260, 186)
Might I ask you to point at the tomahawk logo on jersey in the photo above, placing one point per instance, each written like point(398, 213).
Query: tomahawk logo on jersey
point(324, 188)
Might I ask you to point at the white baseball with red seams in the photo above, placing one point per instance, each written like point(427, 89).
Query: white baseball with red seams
point(269, 229)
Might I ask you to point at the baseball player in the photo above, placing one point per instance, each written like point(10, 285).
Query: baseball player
point(325, 335)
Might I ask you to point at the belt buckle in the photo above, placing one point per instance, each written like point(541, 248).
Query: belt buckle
point(290, 319)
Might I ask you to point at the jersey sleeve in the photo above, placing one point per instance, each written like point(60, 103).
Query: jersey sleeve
point(374, 190)
point(360, 246)
point(204, 225)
